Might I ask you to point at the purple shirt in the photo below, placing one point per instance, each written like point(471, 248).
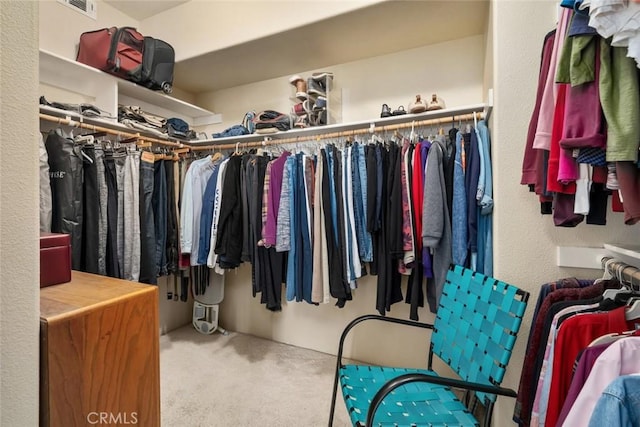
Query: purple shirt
point(275, 190)
point(587, 359)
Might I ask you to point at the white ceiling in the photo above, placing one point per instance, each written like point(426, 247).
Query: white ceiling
point(143, 9)
point(380, 29)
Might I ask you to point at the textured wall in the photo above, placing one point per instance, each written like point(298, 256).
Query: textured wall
point(19, 277)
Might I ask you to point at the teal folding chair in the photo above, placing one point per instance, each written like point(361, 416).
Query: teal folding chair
point(474, 333)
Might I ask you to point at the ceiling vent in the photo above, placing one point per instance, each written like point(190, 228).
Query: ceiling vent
point(86, 7)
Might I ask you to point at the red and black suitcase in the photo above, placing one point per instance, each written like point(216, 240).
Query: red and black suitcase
point(118, 51)
point(158, 60)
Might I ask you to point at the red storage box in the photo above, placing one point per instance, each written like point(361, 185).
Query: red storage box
point(55, 259)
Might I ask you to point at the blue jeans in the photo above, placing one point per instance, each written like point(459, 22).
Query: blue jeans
point(359, 175)
point(304, 272)
point(459, 217)
point(291, 166)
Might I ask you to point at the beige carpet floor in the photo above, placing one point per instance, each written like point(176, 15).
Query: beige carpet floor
point(240, 380)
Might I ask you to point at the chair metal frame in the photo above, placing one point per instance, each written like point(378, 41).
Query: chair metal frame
point(404, 379)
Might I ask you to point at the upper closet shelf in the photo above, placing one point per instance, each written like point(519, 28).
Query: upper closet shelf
point(107, 90)
point(374, 125)
point(75, 119)
point(627, 253)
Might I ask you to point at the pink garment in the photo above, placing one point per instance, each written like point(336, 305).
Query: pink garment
point(542, 140)
point(621, 358)
point(629, 181)
point(273, 199)
point(553, 184)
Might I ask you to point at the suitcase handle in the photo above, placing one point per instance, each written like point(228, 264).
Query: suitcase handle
point(114, 47)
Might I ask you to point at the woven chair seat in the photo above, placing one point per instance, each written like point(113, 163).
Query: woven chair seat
point(415, 401)
point(474, 332)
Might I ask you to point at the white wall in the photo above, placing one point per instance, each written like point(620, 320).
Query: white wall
point(201, 26)
point(61, 26)
point(365, 85)
point(525, 241)
point(19, 261)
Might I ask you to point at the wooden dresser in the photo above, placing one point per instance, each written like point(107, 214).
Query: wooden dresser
point(99, 353)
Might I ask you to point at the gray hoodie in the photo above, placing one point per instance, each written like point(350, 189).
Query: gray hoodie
point(436, 227)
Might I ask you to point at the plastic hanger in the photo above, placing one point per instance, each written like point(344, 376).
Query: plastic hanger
point(606, 339)
point(216, 156)
point(412, 134)
point(633, 312)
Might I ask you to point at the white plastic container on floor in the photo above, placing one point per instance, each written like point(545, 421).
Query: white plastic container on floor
point(207, 306)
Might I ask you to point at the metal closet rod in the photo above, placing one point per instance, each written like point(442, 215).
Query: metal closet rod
point(94, 128)
point(629, 273)
point(341, 134)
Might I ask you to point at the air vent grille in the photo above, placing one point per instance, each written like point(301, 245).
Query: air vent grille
point(86, 7)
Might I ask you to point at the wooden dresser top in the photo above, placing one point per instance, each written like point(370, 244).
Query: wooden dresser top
point(86, 292)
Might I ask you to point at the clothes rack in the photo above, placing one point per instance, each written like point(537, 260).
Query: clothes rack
point(625, 272)
point(342, 134)
point(95, 128)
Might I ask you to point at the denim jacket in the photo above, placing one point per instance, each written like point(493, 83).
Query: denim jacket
point(619, 404)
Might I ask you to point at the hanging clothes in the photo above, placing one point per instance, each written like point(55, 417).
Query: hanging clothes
point(436, 227)
point(65, 171)
point(206, 216)
point(103, 195)
point(148, 266)
point(45, 189)
point(337, 286)
point(484, 200)
point(229, 239)
point(268, 265)
point(159, 203)
point(91, 210)
point(320, 291)
point(212, 257)
point(172, 217)
point(553, 298)
point(131, 266)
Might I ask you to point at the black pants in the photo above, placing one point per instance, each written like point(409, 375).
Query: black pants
point(172, 219)
point(148, 270)
point(91, 215)
point(336, 265)
point(65, 171)
point(272, 274)
point(159, 203)
point(113, 267)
